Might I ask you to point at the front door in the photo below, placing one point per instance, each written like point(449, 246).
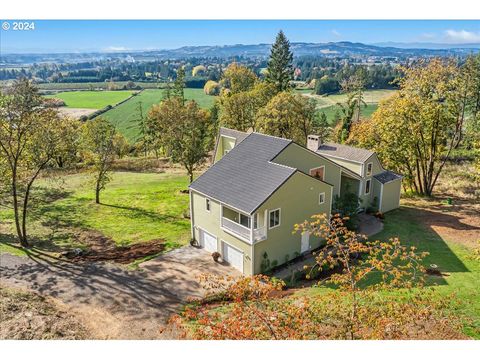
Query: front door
point(305, 246)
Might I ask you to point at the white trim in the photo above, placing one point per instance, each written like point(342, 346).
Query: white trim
point(279, 218)
point(316, 168)
point(236, 236)
point(381, 198)
point(200, 229)
point(192, 221)
point(223, 242)
point(230, 137)
point(369, 187)
point(319, 195)
point(208, 205)
point(371, 170)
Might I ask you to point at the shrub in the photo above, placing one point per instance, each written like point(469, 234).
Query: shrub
point(212, 88)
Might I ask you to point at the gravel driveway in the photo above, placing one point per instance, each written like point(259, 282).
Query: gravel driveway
point(112, 301)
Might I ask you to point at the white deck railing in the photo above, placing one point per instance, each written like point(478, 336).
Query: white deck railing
point(242, 231)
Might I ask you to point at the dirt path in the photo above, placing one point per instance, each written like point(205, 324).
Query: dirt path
point(111, 301)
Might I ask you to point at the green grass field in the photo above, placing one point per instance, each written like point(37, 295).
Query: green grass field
point(125, 116)
point(91, 99)
point(452, 258)
point(328, 104)
point(135, 207)
point(94, 85)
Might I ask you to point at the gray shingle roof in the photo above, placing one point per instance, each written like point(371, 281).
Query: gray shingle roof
point(245, 178)
point(345, 152)
point(387, 176)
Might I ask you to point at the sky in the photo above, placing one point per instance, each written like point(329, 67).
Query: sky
point(125, 35)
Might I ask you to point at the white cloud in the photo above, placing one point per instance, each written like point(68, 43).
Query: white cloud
point(116, 48)
point(462, 36)
point(336, 33)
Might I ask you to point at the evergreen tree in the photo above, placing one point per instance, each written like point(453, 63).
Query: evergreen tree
point(179, 85)
point(280, 69)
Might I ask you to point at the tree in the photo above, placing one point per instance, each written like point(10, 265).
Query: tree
point(417, 128)
point(100, 145)
point(398, 266)
point(280, 69)
point(32, 137)
point(322, 126)
point(371, 299)
point(240, 110)
point(186, 131)
point(211, 88)
point(238, 78)
point(288, 115)
point(179, 84)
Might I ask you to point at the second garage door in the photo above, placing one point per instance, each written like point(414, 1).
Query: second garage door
point(233, 256)
point(208, 241)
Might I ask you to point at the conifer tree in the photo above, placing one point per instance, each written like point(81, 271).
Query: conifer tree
point(280, 69)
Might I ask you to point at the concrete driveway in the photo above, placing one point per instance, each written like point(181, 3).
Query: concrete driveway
point(111, 300)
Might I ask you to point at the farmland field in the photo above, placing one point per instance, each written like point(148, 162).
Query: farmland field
point(125, 116)
point(91, 99)
point(328, 103)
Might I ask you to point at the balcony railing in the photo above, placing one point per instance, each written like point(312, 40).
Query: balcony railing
point(236, 228)
point(242, 231)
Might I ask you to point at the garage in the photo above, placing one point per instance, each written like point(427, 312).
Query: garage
point(233, 256)
point(208, 241)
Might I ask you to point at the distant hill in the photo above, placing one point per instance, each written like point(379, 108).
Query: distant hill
point(342, 49)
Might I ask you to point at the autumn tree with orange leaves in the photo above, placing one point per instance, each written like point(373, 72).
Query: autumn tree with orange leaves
point(370, 290)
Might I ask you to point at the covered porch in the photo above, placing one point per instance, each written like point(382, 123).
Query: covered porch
point(250, 228)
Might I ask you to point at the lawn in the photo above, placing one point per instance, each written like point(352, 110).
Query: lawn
point(452, 258)
point(91, 99)
point(330, 111)
point(125, 116)
point(135, 207)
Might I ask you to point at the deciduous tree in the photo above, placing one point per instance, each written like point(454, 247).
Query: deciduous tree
point(288, 115)
point(100, 145)
point(186, 131)
point(32, 137)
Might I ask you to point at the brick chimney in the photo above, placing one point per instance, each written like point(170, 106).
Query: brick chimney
point(313, 142)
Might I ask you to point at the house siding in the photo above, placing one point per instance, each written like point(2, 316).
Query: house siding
point(367, 200)
point(298, 157)
point(391, 195)
point(353, 166)
point(224, 143)
point(298, 200)
point(210, 222)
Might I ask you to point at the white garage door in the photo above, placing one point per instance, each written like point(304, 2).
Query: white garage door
point(208, 241)
point(233, 256)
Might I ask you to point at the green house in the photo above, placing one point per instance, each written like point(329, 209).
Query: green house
point(246, 204)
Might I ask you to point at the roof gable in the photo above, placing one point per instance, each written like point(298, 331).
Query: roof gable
point(245, 176)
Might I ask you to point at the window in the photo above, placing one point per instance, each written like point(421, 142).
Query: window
point(245, 220)
point(367, 187)
point(318, 173)
point(207, 205)
point(369, 169)
point(321, 198)
point(274, 218)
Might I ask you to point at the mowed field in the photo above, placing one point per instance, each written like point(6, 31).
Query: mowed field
point(125, 116)
point(91, 99)
point(328, 103)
